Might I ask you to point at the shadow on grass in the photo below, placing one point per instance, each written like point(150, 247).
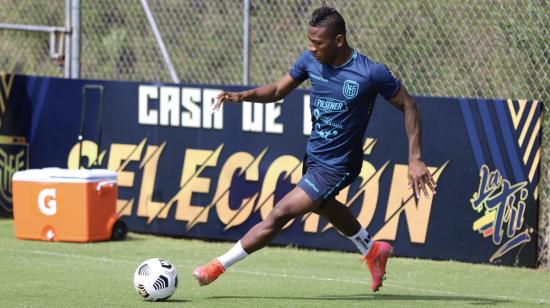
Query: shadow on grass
point(133, 238)
point(171, 301)
point(380, 297)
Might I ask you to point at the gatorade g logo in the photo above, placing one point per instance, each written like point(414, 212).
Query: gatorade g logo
point(46, 202)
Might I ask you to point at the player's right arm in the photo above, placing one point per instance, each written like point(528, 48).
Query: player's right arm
point(265, 94)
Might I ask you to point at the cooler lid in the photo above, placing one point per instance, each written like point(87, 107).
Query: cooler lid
point(65, 175)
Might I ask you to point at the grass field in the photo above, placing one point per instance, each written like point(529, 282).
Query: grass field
point(43, 274)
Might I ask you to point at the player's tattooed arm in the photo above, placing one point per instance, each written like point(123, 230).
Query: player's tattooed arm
point(265, 94)
point(420, 178)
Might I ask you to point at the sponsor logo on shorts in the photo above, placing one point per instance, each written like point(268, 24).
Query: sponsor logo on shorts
point(308, 182)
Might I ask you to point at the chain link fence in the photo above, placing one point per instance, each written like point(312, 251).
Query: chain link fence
point(476, 48)
point(203, 39)
point(28, 51)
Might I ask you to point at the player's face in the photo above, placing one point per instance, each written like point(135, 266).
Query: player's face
point(322, 44)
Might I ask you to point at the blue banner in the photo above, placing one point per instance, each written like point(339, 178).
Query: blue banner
point(185, 170)
point(15, 117)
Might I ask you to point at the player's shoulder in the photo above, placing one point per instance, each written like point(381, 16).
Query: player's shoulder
point(379, 70)
point(371, 67)
point(306, 56)
point(364, 63)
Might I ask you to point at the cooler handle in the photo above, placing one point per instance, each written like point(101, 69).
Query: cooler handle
point(104, 187)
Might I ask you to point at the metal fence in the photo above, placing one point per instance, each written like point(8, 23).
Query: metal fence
point(476, 48)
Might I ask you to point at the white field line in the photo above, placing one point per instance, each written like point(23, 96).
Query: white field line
point(351, 281)
point(391, 285)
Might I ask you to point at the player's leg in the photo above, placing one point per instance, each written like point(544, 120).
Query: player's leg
point(376, 253)
point(339, 216)
point(295, 203)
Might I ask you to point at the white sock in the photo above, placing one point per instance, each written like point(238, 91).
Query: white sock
point(362, 240)
point(234, 255)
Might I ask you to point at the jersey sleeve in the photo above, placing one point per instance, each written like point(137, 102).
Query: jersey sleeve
point(298, 71)
point(383, 81)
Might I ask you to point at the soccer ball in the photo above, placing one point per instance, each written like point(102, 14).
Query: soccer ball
point(155, 279)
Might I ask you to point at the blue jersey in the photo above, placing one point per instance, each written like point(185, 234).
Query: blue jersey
point(342, 99)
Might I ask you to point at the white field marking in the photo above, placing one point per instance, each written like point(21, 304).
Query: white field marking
point(391, 285)
point(67, 255)
point(77, 256)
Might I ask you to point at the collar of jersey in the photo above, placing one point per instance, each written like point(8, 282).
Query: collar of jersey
point(353, 56)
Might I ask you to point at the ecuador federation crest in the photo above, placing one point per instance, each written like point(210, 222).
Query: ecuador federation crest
point(350, 89)
point(13, 157)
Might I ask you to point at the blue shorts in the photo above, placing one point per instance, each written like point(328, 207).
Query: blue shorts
point(321, 183)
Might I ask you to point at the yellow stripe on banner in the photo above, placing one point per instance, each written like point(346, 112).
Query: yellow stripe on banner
point(527, 123)
point(534, 136)
point(11, 139)
point(369, 145)
point(489, 217)
point(516, 116)
point(536, 193)
point(2, 104)
point(535, 165)
point(7, 85)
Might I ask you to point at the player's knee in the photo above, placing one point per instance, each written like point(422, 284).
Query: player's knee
point(281, 215)
point(321, 211)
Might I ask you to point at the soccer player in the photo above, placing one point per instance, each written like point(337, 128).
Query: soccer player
point(344, 87)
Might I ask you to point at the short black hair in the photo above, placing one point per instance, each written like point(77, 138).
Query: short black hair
point(328, 17)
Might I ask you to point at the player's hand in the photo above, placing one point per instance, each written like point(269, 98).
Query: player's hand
point(234, 97)
point(420, 178)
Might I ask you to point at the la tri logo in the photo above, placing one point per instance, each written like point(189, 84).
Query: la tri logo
point(504, 205)
point(350, 89)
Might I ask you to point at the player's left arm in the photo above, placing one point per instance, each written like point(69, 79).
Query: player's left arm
point(419, 175)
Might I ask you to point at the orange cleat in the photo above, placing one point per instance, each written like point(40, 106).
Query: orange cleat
point(206, 274)
point(376, 261)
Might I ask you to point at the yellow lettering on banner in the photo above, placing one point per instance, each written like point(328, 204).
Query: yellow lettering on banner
point(119, 156)
point(89, 150)
point(286, 164)
point(195, 161)
point(370, 183)
point(146, 206)
point(401, 199)
point(311, 223)
point(124, 207)
point(237, 161)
